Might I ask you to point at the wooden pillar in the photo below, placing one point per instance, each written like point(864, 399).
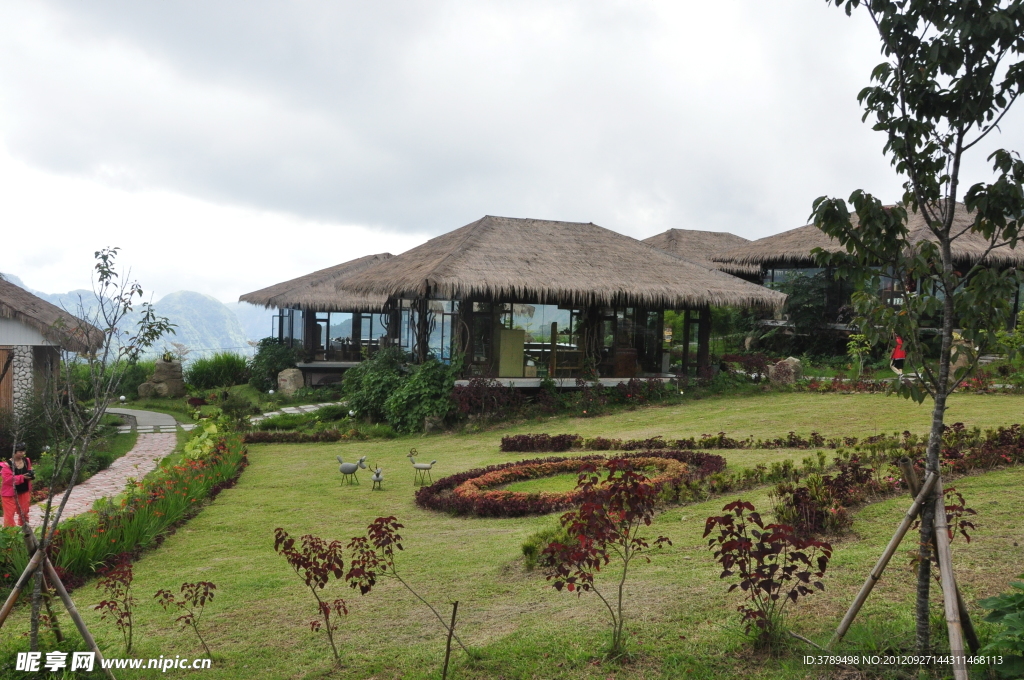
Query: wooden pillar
point(553, 359)
point(309, 330)
point(422, 329)
point(704, 340)
point(686, 342)
point(357, 334)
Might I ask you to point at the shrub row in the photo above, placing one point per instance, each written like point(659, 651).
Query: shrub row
point(821, 503)
point(142, 518)
point(564, 442)
point(442, 496)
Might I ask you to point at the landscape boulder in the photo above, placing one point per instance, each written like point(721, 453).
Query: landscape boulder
point(166, 381)
point(786, 372)
point(289, 381)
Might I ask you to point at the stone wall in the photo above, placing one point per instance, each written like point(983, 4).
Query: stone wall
point(22, 373)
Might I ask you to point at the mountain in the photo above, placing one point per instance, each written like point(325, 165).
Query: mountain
point(204, 324)
point(257, 322)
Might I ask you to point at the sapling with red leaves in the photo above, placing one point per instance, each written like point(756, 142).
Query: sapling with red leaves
point(775, 566)
point(194, 597)
point(608, 524)
point(373, 556)
point(316, 561)
point(116, 583)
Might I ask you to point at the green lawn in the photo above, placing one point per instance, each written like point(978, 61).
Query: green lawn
point(682, 621)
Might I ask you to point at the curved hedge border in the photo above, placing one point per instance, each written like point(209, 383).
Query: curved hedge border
point(466, 493)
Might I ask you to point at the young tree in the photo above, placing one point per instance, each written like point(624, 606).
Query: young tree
point(115, 343)
point(608, 524)
point(952, 70)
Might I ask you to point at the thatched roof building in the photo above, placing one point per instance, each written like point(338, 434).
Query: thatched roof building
point(53, 323)
point(544, 261)
point(323, 290)
point(792, 249)
point(701, 246)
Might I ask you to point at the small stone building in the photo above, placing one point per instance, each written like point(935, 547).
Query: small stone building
point(32, 334)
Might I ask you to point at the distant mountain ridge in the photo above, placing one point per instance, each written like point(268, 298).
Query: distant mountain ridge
point(204, 324)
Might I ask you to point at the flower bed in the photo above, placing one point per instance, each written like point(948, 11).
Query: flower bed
point(564, 442)
point(147, 511)
point(472, 492)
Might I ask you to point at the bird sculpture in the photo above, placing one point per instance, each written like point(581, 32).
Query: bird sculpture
point(422, 474)
point(348, 470)
point(378, 478)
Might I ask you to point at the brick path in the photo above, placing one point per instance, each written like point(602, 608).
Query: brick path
point(147, 453)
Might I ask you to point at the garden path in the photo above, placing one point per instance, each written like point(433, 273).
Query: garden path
point(147, 453)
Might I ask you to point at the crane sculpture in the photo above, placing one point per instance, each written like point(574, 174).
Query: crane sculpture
point(348, 470)
point(422, 474)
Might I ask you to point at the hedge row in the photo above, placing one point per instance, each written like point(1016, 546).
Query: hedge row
point(442, 495)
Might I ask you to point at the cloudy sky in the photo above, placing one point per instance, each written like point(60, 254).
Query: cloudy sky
point(226, 146)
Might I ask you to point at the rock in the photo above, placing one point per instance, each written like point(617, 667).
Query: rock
point(433, 424)
point(170, 388)
point(798, 368)
point(146, 390)
point(781, 373)
point(289, 381)
point(166, 370)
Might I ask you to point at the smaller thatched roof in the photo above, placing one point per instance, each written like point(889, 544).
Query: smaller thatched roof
point(56, 325)
point(323, 290)
point(701, 246)
point(548, 262)
point(793, 248)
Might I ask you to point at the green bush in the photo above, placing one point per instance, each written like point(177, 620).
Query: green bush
point(1007, 610)
point(537, 541)
point(427, 393)
point(133, 375)
point(368, 385)
point(272, 357)
point(285, 421)
point(330, 413)
point(223, 369)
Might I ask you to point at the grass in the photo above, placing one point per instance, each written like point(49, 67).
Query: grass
point(682, 623)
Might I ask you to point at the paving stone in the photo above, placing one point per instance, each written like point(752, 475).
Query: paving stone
point(147, 453)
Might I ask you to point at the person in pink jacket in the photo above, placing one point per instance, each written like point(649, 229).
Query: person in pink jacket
point(16, 485)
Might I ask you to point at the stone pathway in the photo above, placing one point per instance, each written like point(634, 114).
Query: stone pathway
point(147, 453)
point(149, 421)
point(305, 408)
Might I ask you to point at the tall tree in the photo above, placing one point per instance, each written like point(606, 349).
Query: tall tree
point(952, 70)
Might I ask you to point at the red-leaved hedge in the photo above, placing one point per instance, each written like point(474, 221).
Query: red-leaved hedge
point(465, 493)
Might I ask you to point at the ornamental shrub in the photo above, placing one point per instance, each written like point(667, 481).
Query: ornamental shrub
point(1007, 611)
point(427, 393)
point(368, 385)
point(272, 356)
point(773, 564)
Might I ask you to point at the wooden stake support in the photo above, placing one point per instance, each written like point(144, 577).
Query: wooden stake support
point(949, 599)
point(890, 550)
point(451, 631)
point(973, 643)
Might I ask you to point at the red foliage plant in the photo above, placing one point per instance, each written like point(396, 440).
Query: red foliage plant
point(116, 583)
point(316, 561)
point(192, 603)
point(774, 566)
point(607, 524)
point(373, 556)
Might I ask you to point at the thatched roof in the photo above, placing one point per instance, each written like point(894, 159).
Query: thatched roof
point(550, 262)
point(701, 246)
point(793, 248)
point(320, 292)
point(55, 324)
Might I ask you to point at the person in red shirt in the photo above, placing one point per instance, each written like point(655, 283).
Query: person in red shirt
point(16, 485)
point(898, 357)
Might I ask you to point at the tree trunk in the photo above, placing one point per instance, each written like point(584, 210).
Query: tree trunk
point(941, 392)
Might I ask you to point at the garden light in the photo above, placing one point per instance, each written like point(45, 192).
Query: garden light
point(270, 391)
point(121, 398)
